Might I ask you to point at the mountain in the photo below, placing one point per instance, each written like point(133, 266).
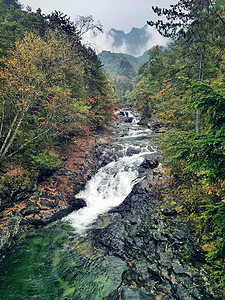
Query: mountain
point(134, 43)
point(119, 64)
point(123, 69)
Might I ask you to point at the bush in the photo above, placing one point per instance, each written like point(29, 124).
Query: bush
point(46, 163)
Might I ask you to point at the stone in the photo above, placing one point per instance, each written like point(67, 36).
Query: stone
point(169, 211)
point(150, 164)
point(129, 120)
point(77, 203)
point(131, 151)
point(178, 269)
point(136, 294)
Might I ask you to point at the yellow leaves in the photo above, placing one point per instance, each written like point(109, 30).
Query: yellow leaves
point(5, 75)
point(21, 89)
point(214, 190)
point(163, 91)
point(179, 208)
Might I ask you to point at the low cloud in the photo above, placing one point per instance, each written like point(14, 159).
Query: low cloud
point(103, 41)
point(154, 39)
point(106, 41)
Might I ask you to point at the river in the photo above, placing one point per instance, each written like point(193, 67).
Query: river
point(58, 261)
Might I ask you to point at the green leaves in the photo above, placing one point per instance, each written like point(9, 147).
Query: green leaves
point(211, 102)
point(183, 86)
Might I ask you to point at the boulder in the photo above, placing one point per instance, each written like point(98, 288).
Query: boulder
point(128, 120)
point(128, 293)
point(150, 163)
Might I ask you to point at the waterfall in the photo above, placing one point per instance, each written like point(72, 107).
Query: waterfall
point(113, 183)
point(58, 261)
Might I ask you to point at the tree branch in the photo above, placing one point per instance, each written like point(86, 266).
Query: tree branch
point(36, 137)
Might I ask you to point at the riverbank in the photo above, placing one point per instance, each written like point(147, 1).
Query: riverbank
point(147, 237)
point(162, 258)
point(54, 197)
point(150, 236)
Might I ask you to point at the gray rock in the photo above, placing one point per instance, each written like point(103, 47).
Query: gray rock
point(150, 164)
point(129, 120)
point(178, 269)
point(169, 211)
point(136, 294)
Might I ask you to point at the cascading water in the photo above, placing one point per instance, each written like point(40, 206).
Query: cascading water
point(58, 262)
point(108, 188)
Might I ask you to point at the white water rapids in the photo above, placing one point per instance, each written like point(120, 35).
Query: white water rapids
point(112, 184)
point(59, 261)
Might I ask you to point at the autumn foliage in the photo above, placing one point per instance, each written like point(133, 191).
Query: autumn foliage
point(182, 88)
point(53, 89)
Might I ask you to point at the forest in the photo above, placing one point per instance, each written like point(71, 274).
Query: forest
point(53, 89)
point(181, 87)
point(123, 70)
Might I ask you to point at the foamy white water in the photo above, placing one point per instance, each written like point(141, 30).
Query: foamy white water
point(110, 185)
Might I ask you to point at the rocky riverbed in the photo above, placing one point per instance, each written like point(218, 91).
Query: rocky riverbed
point(157, 256)
point(54, 197)
point(162, 257)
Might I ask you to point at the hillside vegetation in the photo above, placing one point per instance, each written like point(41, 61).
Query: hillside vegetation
point(53, 89)
point(183, 88)
point(123, 70)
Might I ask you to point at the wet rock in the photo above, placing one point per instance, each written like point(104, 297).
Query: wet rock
point(10, 229)
point(134, 294)
point(122, 113)
point(178, 269)
point(150, 164)
point(130, 293)
point(128, 120)
point(152, 244)
point(169, 211)
point(131, 151)
point(155, 125)
point(77, 203)
point(143, 122)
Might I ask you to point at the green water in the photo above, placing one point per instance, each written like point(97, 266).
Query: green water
point(54, 263)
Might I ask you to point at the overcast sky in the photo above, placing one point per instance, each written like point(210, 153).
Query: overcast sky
point(119, 14)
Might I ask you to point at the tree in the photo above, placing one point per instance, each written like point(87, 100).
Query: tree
point(61, 21)
point(85, 24)
point(34, 77)
point(189, 22)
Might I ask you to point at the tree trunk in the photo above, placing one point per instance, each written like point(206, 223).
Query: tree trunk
point(200, 78)
point(2, 120)
point(13, 136)
point(9, 134)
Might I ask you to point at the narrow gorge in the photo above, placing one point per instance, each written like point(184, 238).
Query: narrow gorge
point(123, 243)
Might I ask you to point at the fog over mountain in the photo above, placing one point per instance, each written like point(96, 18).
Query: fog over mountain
point(135, 42)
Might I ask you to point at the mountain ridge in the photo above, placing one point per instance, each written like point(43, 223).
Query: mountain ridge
point(122, 69)
point(112, 62)
point(133, 43)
